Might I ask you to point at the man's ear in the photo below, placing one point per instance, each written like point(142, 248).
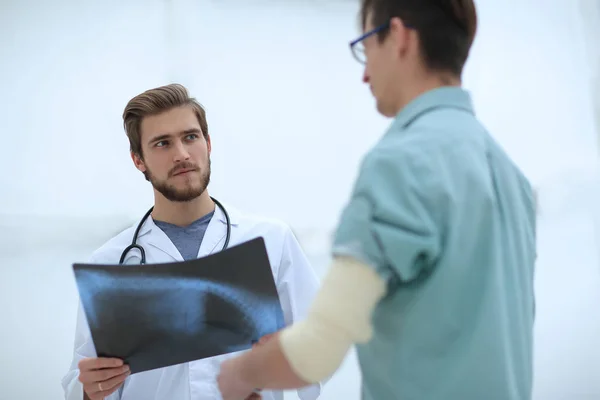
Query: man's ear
point(400, 34)
point(208, 145)
point(138, 162)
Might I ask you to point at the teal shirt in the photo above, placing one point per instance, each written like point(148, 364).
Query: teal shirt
point(447, 219)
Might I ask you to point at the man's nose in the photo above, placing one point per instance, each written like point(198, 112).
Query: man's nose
point(365, 76)
point(181, 153)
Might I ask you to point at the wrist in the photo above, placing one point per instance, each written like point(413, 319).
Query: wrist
point(244, 371)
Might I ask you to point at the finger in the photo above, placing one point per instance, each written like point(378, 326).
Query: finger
point(108, 386)
point(261, 341)
point(88, 364)
point(105, 393)
point(101, 375)
point(265, 338)
point(114, 382)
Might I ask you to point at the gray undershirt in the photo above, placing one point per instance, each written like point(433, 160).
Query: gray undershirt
point(187, 239)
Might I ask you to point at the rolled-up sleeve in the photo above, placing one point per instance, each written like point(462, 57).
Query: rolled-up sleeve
point(392, 220)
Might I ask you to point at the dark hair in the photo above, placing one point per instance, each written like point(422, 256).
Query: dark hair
point(446, 28)
point(156, 101)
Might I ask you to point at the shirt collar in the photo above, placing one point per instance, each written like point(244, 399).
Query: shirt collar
point(233, 217)
point(443, 97)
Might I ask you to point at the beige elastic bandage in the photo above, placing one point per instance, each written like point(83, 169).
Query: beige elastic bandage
point(339, 317)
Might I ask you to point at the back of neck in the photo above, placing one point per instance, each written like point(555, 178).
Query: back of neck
point(423, 85)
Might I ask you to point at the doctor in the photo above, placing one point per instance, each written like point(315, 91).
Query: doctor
point(170, 145)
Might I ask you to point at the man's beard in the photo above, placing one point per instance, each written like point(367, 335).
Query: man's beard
point(189, 193)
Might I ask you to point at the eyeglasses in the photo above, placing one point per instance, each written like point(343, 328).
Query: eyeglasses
point(357, 47)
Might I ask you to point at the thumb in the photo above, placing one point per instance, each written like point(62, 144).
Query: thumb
point(265, 338)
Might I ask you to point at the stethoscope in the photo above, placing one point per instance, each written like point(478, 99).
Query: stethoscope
point(134, 245)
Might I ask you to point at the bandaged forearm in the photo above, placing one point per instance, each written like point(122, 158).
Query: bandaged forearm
point(339, 317)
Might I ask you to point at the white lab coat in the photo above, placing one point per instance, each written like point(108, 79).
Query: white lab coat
point(296, 284)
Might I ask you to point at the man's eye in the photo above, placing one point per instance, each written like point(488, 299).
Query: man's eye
point(162, 143)
point(192, 136)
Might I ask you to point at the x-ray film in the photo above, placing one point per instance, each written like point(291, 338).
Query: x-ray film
point(157, 315)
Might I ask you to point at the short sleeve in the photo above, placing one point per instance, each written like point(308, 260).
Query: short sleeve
point(390, 219)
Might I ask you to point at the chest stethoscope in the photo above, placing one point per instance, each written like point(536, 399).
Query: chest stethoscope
point(134, 244)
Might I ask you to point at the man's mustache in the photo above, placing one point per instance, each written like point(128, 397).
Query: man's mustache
point(182, 167)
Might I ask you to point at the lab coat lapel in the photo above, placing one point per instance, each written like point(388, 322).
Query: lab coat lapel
point(214, 238)
point(159, 240)
point(212, 242)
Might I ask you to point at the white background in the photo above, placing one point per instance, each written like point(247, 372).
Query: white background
point(283, 96)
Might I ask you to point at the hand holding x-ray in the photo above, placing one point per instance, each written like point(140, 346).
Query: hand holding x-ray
point(101, 377)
